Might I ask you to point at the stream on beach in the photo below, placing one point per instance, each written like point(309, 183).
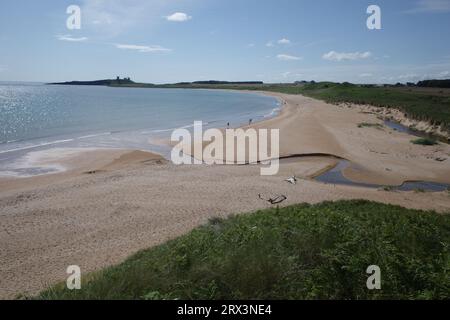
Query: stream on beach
point(336, 176)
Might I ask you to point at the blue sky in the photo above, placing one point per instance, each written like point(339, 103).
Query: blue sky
point(267, 40)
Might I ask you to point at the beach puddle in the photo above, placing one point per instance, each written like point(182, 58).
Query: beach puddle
point(401, 128)
point(335, 176)
point(425, 186)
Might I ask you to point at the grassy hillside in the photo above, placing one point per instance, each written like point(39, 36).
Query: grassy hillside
point(433, 108)
point(299, 252)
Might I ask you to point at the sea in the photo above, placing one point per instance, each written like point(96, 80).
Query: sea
point(36, 118)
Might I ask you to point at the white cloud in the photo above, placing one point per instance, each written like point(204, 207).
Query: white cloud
point(433, 6)
point(340, 56)
point(410, 77)
point(284, 41)
point(70, 38)
point(290, 74)
point(444, 74)
point(178, 17)
point(286, 57)
point(366, 75)
point(144, 49)
point(414, 77)
point(251, 45)
point(382, 73)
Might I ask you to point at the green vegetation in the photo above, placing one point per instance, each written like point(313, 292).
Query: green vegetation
point(370, 125)
point(432, 108)
point(425, 141)
point(298, 252)
point(435, 83)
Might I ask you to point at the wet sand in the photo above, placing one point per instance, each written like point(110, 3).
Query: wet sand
point(113, 203)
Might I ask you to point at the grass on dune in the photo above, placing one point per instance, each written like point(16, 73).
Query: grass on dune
point(424, 142)
point(298, 252)
point(419, 106)
point(370, 125)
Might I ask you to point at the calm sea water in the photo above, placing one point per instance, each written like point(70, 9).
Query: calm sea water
point(36, 117)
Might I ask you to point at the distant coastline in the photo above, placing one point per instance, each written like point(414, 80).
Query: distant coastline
point(127, 82)
point(423, 106)
point(218, 84)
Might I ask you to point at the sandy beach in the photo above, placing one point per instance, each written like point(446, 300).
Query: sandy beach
point(110, 204)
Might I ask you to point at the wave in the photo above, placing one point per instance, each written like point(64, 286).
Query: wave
point(157, 131)
point(49, 143)
point(273, 112)
point(11, 141)
point(95, 135)
point(173, 129)
point(37, 145)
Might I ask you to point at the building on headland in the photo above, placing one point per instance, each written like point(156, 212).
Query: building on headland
point(123, 80)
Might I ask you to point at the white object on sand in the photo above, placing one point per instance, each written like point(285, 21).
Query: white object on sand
point(292, 180)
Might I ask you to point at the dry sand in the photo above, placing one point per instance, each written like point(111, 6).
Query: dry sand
point(112, 203)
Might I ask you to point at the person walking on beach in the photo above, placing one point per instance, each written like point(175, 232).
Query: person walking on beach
point(228, 125)
point(250, 121)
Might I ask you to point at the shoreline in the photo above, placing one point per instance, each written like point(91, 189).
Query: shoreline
point(83, 161)
point(287, 110)
point(115, 204)
point(27, 156)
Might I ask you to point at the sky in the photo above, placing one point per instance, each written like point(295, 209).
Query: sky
point(166, 41)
